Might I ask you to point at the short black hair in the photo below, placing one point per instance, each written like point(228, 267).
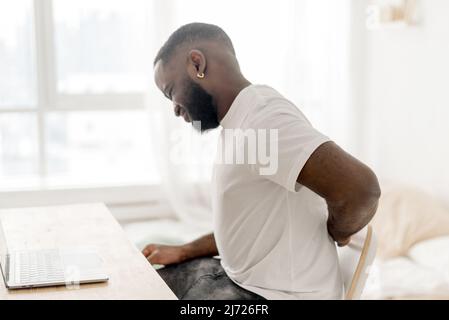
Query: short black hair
point(190, 33)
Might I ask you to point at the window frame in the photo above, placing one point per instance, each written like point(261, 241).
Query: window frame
point(48, 100)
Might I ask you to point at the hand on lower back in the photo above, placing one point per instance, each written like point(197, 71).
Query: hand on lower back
point(164, 255)
point(342, 241)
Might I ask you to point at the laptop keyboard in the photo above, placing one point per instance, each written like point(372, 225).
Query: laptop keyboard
point(39, 266)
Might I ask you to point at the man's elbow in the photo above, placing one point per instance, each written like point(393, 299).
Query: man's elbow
point(368, 196)
point(372, 188)
point(357, 205)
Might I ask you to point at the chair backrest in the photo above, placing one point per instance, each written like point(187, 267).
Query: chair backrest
point(355, 261)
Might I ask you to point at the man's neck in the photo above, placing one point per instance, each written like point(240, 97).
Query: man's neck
point(227, 95)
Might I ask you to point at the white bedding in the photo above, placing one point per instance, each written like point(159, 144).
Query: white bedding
point(423, 273)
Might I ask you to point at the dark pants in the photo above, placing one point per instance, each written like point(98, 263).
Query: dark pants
point(203, 279)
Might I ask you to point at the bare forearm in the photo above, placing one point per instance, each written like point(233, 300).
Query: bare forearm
point(203, 247)
point(350, 188)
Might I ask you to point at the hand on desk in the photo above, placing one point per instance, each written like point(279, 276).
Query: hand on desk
point(167, 255)
point(164, 255)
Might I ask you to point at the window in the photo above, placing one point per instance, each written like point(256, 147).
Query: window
point(100, 46)
point(16, 55)
point(73, 77)
point(19, 148)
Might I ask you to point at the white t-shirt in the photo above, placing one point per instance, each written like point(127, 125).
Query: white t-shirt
point(271, 233)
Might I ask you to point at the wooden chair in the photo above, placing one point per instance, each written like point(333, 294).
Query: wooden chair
point(355, 262)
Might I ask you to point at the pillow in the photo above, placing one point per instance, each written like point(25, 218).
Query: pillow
point(433, 254)
point(406, 217)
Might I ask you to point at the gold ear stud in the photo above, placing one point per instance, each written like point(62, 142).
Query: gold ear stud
point(201, 75)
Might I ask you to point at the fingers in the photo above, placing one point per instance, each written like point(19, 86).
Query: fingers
point(152, 253)
point(161, 254)
point(154, 257)
point(149, 250)
point(344, 243)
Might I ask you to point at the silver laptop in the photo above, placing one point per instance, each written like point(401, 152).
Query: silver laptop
point(45, 268)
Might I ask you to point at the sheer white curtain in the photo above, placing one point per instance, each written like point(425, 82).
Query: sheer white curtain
point(299, 47)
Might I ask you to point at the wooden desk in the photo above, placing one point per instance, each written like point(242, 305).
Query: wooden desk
point(90, 225)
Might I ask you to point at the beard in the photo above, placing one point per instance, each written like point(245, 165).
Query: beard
point(201, 108)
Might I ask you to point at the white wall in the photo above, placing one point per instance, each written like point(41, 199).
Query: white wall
point(405, 99)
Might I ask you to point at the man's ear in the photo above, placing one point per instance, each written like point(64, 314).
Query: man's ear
point(196, 65)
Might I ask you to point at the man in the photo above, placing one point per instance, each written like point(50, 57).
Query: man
point(275, 234)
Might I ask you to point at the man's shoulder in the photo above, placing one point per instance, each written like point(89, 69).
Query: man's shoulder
point(271, 107)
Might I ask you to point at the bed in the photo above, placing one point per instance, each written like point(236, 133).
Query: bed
point(422, 274)
point(413, 254)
